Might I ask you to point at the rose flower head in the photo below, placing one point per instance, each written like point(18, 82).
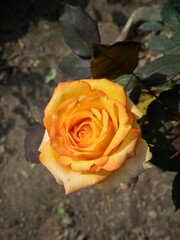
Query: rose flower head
point(92, 137)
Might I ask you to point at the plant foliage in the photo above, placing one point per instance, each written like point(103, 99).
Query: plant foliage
point(117, 62)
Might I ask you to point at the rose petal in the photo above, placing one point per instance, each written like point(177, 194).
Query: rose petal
point(139, 163)
point(44, 141)
point(81, 165)
point(95, 146)
point(111, 89)
point(123, 130)
point(126, 150)
point(73, 181)
point(132, 107)
point(119, 179)
point(64, 91)
point(127, 175)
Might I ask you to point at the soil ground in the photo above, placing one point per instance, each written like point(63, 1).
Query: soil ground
point(32, 205)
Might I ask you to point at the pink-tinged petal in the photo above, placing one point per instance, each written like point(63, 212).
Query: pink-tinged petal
point(126, 150)
point(132, 107)
point(73, 181)
point(111, 89)
point(44, 141)
point(139, 163)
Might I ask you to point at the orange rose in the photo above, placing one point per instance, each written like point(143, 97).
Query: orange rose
point(92, 136)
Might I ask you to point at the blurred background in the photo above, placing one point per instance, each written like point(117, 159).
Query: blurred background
point(32, 205)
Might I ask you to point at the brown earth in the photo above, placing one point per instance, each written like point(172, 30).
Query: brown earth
point(32, 205)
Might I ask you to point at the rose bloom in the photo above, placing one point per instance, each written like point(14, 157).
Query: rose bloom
point(92, 137)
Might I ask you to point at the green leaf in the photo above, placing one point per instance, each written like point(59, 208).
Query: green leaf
point(177, 35)
point(166, 128)
point(32, 142)
point(61, 208)
point(128, 81)
point(158, 43)
point(170, 14)
point(161, 158)
point(135, 94)
point(176, 191)
point(79, 30)
point(50, 75)
point(171, 98)
point(150, 26)
point(157, 136)
point(172, 48)
point(156, 114)
point(156, 79)
point(37, 110)
point(113, 61)
point(161, 44)
point(166, 65)
point(75, 67)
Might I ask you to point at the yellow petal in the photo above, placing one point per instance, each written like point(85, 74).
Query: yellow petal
point(79, 165)
point(73, 181)
point(44, 141)
point(111, 89)
point(123, 130)
point(132, 107)
point(64, 91)
point(126, 150)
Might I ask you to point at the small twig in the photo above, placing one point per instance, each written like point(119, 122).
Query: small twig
point(146, 86)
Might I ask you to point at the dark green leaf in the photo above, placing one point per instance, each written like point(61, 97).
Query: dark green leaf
point(166, 128)
point(166, 65)
point(156, 114)
point(75, 67)
point(170, 14)
point(113, 61)
point(162, 159)
point(162, 44)
point(158, 43)
point(128, 81)
point(79, 30)
point(177, 35)
point(32, 142)
point(156, 79)
point(172, 48)
point(171, 98)
point(135, 94)
point(37, 110)
point(176, 191)
point(156, 137)
point(150, 26)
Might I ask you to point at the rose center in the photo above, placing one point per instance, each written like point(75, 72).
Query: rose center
point(84, 131)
